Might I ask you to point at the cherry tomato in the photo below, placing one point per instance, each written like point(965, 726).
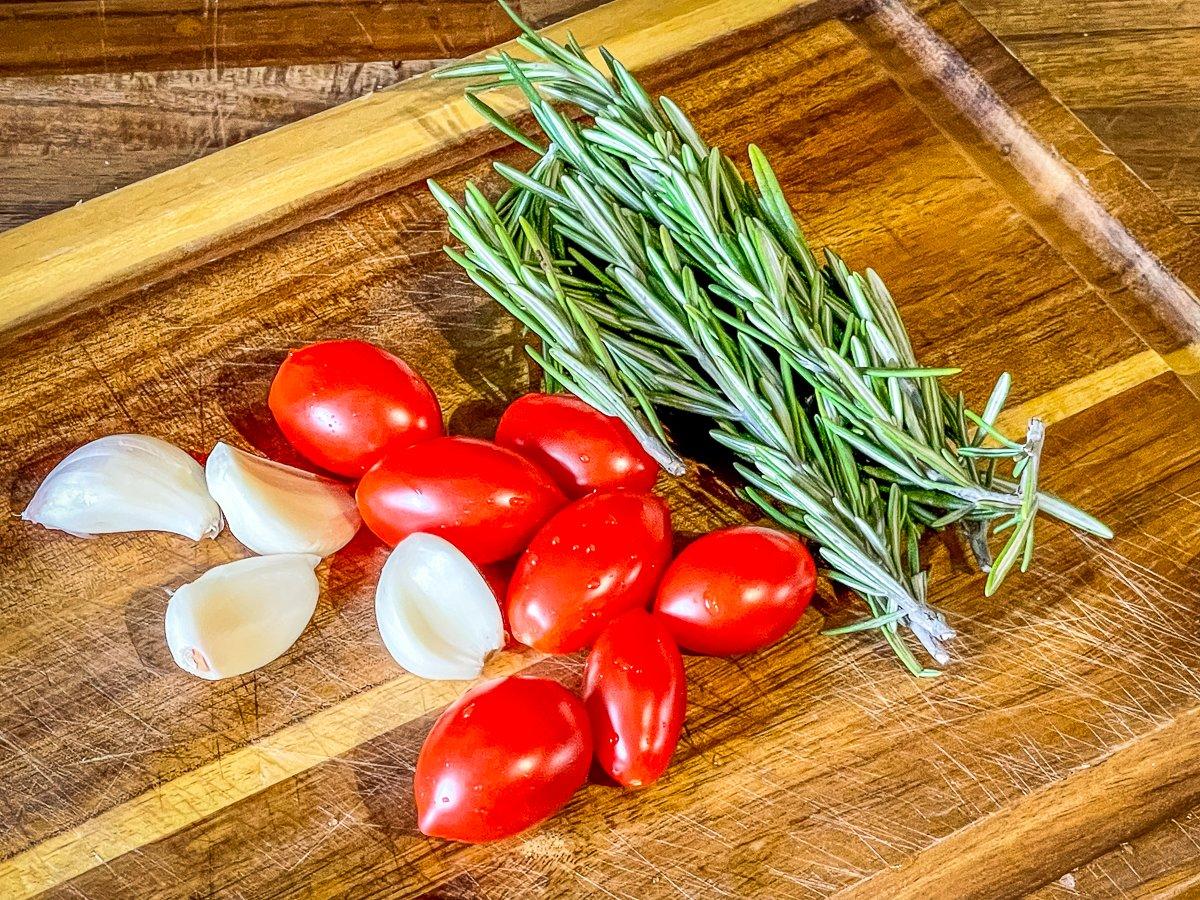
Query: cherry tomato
point(736, 590)
point(635, 693)
point(485, 500)
point(592, 561)
point(505, 756)
point(343, 404)
point(582, 449)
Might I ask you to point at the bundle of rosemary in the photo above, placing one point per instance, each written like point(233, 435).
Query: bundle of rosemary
point(656, 277)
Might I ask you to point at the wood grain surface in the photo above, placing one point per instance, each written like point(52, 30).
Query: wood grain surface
point(1126, 68)
point(354, 151)
point(1057, 754)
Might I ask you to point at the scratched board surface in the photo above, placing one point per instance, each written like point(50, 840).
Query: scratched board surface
point(1066, 726)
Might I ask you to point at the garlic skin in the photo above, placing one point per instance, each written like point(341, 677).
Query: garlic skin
point(436, 614)
point(126, 482)
point(239, 616)
point(273, 508)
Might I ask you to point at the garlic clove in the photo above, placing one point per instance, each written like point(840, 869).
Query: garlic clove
point(436, 614)
point(239, 616)
point(273, 508)
point(126, 482)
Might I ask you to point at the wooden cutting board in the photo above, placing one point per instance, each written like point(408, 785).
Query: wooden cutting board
point(907, 139)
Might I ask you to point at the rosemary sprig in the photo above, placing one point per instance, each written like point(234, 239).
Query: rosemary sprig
point(655, 275)
point(808, 482)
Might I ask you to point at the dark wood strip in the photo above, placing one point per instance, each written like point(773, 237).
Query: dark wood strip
point(138, 35)
point(74, 137)
point(1160, 141)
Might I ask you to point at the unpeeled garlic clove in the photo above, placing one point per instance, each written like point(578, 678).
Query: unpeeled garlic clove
point(436, 614)
point(239, 616)
point(273, 508)
point(126, 482)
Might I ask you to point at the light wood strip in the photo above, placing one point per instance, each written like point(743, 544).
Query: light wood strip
point(200, 210)
point(1082, 393)
point(234, 777)
point(339, 728)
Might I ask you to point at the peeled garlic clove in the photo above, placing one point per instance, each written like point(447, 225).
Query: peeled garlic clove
point(436, 614)
point(126, 482)
point(239, 616)
point(273, 508)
